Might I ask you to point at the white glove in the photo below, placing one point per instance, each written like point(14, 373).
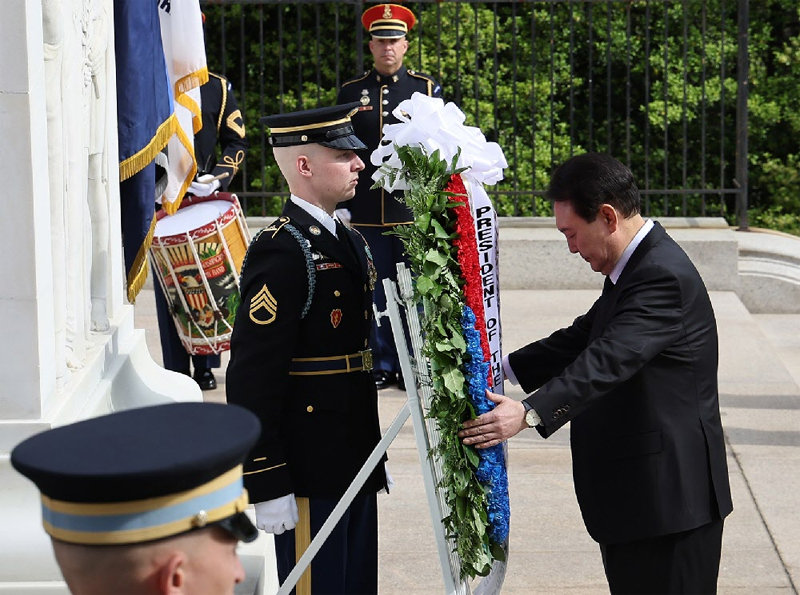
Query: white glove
point(278, 515)
point(344, 216)
point(204, 185)
point(389, 481)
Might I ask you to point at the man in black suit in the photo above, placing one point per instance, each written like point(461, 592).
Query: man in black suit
point(374, 211)
point(300, 358)
point(637, 378)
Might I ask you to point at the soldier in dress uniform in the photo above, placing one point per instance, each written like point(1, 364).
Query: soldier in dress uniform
point(148, 500)
point(300, 358)
point(223, 126)
point(373, 212)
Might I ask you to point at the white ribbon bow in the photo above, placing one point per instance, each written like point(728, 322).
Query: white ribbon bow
point(431, 124)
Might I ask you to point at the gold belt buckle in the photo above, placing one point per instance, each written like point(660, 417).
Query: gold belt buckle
point(366, 360)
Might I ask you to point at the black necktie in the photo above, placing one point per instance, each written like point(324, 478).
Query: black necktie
point(608, 285)
point(341, 234)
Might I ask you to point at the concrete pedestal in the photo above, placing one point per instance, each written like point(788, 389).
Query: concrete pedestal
point(39, 388)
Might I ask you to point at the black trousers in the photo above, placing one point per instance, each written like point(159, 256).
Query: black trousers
point(347, 563)
point(686, 562)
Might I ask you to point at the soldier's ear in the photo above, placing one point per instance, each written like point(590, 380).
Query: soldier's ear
point(172, 575)
point(303, 165)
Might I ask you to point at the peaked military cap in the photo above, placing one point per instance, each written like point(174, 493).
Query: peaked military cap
point(388, 20)
point(327, 126)
point(143, 474)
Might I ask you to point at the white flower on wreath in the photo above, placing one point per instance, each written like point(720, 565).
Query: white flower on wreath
point(432, 124)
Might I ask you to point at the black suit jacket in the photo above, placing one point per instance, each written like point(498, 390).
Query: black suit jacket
point(304, 294)
point(637, 378)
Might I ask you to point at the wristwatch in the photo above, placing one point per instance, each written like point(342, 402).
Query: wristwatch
point(531, 417)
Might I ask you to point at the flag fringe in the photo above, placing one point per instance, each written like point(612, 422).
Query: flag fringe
point(191, 81)
point(141, 159)
point(173, 206)
point(138, 273)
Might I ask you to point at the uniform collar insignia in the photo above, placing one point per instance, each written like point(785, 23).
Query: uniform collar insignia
point(390, 79)
point(277, 225)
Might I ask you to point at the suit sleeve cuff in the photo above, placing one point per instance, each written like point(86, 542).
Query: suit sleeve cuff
point(509, 373)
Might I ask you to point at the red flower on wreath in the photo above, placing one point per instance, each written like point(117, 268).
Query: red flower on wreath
point(467, 249)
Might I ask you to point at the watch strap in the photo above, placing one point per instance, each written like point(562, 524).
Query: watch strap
point(531, 417)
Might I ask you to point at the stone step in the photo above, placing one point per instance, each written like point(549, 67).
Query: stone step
point(534, 254)
point(769, 271)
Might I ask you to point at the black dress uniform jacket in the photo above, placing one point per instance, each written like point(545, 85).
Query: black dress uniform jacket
point(383, 93)
point(222, 121)
point(305, 294)
point(637, 378)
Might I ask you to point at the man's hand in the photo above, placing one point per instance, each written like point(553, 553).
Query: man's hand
point(204, 185)
point(501, 423)
point(278, 515)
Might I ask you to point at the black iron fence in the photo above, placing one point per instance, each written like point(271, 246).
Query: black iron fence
point(660, 84)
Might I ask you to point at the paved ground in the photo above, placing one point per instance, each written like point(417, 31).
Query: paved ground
point(550, 551)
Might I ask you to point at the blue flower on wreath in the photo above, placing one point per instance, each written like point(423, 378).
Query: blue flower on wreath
point(491, 472)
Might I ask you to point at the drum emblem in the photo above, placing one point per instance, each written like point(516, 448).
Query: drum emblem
point(197, 299)
point(336, 317)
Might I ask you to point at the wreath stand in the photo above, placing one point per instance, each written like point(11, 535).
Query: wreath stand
point(400, 305)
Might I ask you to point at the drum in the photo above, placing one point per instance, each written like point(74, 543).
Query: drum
point(197, 254)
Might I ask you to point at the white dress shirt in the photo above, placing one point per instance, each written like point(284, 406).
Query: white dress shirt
point(317, 213)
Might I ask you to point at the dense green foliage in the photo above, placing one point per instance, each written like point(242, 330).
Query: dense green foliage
point(549, 79)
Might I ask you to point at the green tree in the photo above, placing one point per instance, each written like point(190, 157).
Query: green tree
point(653, 83)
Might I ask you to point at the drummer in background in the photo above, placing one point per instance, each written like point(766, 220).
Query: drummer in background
point(300, 358)
point(223, 125)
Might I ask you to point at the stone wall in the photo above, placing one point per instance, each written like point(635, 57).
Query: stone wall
point(761, 266)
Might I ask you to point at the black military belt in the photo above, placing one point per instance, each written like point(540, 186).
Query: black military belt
point(334, 364)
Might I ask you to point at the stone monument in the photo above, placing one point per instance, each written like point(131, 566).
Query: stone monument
point(69, 349)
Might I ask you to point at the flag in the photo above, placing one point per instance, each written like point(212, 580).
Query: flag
point(185, 53)
point(144, 125)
